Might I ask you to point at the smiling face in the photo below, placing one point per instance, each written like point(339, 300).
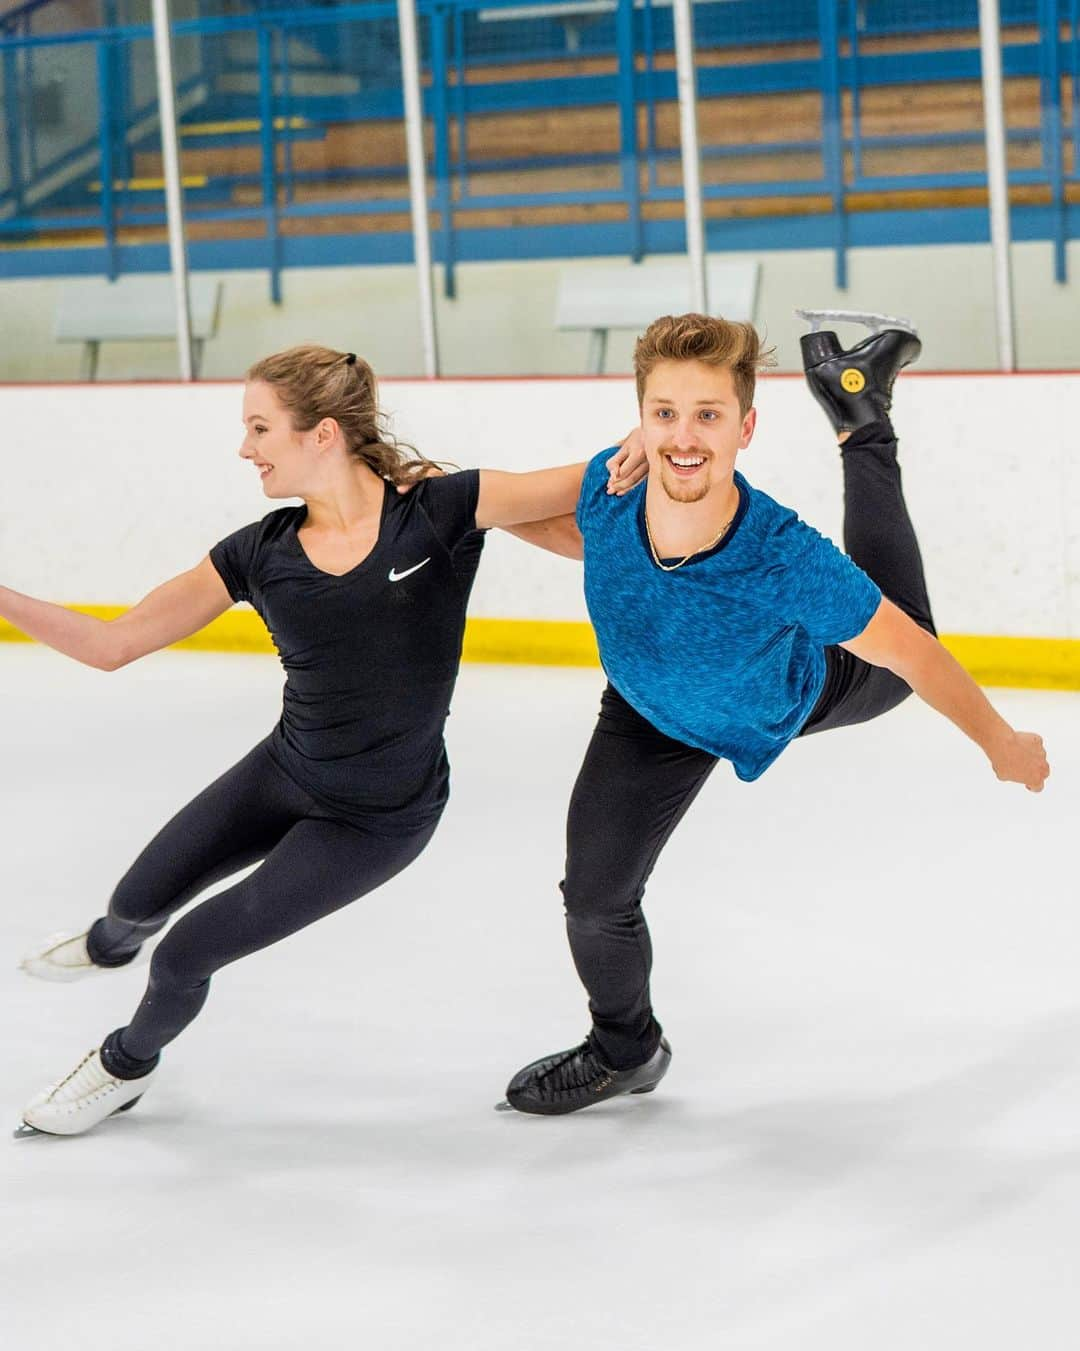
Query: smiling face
point(284, 457)
point(693, 428)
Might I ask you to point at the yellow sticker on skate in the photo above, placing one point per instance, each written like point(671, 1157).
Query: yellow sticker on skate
point(853, 381)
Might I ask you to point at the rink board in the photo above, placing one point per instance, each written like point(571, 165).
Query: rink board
point(111, 489)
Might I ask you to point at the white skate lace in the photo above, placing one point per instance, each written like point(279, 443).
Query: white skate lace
point(88, 1077)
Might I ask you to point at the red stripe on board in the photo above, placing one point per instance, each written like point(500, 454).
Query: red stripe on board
point(488, 379)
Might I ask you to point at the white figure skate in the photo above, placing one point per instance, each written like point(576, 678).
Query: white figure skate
point(81, 1100)
point(64, 957)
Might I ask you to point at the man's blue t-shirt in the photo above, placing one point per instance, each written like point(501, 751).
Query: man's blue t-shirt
point(727, 652)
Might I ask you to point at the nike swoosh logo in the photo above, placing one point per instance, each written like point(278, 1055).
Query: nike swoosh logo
point(399, 576)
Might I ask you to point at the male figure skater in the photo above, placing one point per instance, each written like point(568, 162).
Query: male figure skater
point(727, 627)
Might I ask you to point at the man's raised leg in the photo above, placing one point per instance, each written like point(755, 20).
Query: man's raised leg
point(854, 387)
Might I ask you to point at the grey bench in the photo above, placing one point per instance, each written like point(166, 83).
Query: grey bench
point(132, 309)
point(572, 14)
point(632, 295)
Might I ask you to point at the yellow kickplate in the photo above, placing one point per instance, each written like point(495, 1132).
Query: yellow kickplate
point(535, 642)
point(1023, 663)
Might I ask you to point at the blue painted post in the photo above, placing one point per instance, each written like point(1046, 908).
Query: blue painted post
point(288, 176)
point(1050, 126)
point(31, 123)
point(209, 55)
point(459, 104)
point(440, 112)
point(105, 111)
point(126, 77)
point(856, 94)
point(1074, 71)
point(832, 131)
point(13, 123)
point(269, 168)
point(648, 37)
point(628, 139)
point(118, 58)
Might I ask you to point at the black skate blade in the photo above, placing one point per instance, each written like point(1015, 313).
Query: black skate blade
point(503, 1106)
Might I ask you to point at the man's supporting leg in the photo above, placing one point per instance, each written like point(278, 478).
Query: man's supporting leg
point(633, 789)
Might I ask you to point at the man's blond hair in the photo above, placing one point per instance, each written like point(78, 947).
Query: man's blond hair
point(716, 342)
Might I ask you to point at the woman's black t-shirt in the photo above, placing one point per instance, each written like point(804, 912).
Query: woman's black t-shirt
point(370, 657)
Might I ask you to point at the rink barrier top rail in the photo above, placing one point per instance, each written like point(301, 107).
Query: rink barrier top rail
point(573, 378)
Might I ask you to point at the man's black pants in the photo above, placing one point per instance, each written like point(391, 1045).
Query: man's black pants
point(636, 783)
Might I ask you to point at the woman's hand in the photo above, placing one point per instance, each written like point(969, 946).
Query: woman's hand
point(174, 610)
point(628, 466)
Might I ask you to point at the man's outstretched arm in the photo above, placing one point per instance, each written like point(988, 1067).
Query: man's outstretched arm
point(893, 640)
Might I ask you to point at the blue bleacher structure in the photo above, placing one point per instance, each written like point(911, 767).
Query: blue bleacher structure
point(825, 123)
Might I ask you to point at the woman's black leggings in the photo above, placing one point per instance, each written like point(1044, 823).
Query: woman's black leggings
point(636, 783)
point(311, 865)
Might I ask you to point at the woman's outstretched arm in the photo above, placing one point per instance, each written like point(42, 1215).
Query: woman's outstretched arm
point(559, 534)
point(509, 499)
point(545, 494)
point(174, 610)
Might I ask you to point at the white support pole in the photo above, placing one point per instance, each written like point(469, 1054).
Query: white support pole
point(414, 140)
point(686, 81)
point(998, 179)
point(174, 202)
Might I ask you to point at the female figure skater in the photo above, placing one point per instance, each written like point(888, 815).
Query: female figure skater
point(364, 590)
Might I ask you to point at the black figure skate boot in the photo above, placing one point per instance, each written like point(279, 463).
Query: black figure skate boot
point(577, 1078)
point(855, 387)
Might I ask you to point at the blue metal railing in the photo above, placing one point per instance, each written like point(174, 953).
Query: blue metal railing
point(478, 64)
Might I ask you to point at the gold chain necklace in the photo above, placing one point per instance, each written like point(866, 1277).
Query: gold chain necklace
point(673, 567)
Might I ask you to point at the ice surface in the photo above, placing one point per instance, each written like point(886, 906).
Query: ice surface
point(866, 964)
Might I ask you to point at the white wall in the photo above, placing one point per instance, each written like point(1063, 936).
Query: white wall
point(107, 490)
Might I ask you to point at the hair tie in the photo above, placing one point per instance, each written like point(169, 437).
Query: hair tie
point(350, 358)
